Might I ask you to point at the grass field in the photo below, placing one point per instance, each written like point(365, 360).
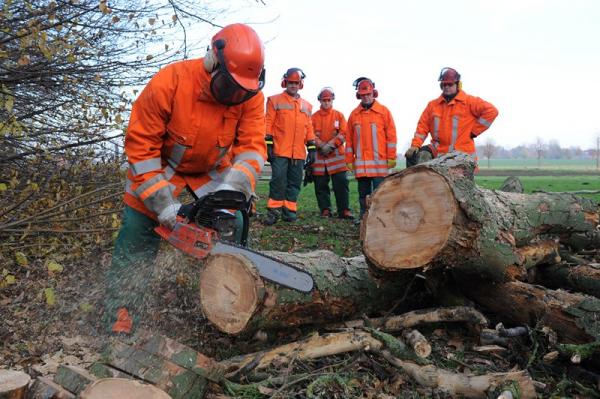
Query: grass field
point(564, 164)
point(311, 232)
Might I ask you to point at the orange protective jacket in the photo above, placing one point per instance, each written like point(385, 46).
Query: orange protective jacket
point(288, 122)
point(371, 140)
point(454, 124)
point(330, 127)
point(178, 136)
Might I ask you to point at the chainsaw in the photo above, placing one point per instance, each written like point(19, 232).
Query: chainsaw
point(207, 226)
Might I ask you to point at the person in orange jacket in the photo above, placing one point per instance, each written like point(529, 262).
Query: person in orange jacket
point(289, 134)
point(370, 142)
point(199, 125)
point(330, 132)
point(453, 120)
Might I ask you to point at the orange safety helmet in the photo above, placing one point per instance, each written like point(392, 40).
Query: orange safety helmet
point(326, 93)
point(240, 56)
point(293, 75)
point(449, 75)
point(364, 86)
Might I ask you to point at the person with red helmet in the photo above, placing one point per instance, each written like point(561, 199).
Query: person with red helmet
point(289, 136)
point(370, 142)
point(197, 125)
point(330, 132)
point(453, 120)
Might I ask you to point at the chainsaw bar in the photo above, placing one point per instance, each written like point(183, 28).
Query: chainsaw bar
point(272, 269)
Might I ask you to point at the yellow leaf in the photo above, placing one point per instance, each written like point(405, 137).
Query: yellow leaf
point(10, 279)
point(50, 297)
point(55, 267)
point(71, 58)
point(4, 272)
point(3, 187)
point(118, 118)
point(21, 259)
point(8, 105)
point(86, 307)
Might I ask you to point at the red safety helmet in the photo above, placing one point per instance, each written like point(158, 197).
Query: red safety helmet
point(240, 57)
point(293, 75)
point(326, 93)
point(364, 86)
point(449, 75)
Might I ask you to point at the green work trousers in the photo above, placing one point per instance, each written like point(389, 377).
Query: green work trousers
point(339, 181)
point(366, 186)
point(286, 178)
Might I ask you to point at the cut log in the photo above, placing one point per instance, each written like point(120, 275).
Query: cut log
point(574, 317)
point(117, 388)
point(44, 388)
point(73, 378)
point(582, 278)
point(418, 342)
point(13, 384)
point(435, 215)
point(235, 299)
point(177, 381)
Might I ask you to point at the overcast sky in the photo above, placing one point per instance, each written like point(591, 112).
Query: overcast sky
point(537, 61)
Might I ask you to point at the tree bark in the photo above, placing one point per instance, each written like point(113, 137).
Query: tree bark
point(574, 317)
point(235, 299)
point(44, 388)
point(582, 278)
point(435, 215)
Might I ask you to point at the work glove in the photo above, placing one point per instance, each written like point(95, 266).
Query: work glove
point(350, 166)
point(312, 153)
point(327, 148)
point(308, 176)
point(391, 163)
point(411, 151)
point(168, 216)
point(270, 153)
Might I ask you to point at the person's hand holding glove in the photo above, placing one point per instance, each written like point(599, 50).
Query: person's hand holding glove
point(270, 153)
point(350, 166)
point(391, 163)
point(411, 151)
point(327, 148)
point(312, 153)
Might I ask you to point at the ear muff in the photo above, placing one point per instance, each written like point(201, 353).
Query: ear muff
point(283, 83)
point(210, 61)
point(375, 93)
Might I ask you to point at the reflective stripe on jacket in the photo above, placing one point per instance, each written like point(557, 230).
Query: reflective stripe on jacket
point(371, 140)
point(330, 127)
point(451, 124)
point(179, 135)
point(288, 121)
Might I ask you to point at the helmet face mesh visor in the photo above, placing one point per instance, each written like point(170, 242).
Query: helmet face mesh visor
point(225, 89)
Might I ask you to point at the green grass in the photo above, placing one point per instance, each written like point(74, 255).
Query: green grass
point(530, 163)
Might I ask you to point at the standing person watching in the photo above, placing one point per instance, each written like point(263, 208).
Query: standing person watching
point(453, 120)
point(198, 124)
point(330, 131)
point(289, 135)
point(370, 142)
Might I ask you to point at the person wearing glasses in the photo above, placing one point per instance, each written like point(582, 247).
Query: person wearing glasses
point(453, 120)
point(197, 125)
point(289, 137)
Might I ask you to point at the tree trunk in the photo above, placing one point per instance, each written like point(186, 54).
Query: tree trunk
point(13, 384)
point(235, 299)
point(574, 317)
point(434, 214)
point(582, 278)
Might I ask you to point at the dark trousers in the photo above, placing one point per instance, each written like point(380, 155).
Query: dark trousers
point(366, 186)
point(284, 186)
point(339, 181)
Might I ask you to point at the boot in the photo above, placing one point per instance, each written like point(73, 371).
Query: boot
point(326, 213)
point(346, 214)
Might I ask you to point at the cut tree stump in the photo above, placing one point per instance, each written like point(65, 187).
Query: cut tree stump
point(574, 317)
point(13, 384)
point(119, 388)
point(235, 299)
point(435, 215)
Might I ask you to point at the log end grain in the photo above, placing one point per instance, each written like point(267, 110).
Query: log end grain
point(108, 388)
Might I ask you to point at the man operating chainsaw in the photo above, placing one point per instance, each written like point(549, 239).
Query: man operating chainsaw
point(198, 124)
